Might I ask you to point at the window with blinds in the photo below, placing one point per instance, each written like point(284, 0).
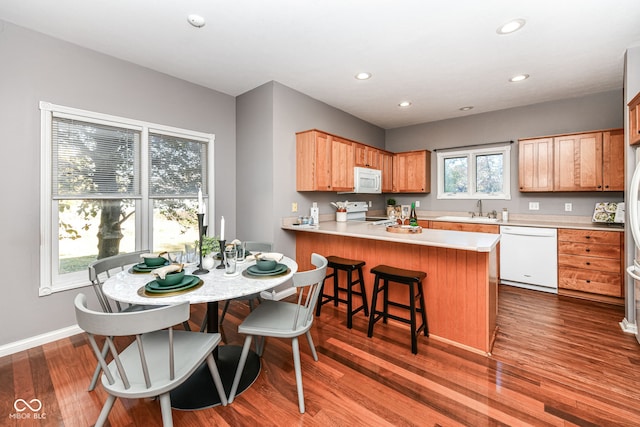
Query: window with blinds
point(115, 185)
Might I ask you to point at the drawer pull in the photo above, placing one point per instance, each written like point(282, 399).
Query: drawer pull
point(588, 281)
point(588, 263)
point(588, 250)
point(587, 237)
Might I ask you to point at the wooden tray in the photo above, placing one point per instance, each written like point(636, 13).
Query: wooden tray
point(407, 230)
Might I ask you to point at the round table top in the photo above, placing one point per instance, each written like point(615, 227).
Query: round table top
point(217, 286)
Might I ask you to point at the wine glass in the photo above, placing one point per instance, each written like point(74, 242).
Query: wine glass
point(403, 215)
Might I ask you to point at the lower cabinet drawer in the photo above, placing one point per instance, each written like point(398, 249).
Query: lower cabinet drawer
point(609, 265)
point(590, 281)
point(587, 249)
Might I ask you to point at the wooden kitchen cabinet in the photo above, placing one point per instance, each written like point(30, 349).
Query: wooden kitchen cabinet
point(578, 162)
point(366, 156)
point(634, 120)
point(313, 161)
point(386, 167)
point(536, 164)
point(412, 172)
point(465, 226)
point(613, 160)
point(591, 264)
point(342, 162)
point(589, 161)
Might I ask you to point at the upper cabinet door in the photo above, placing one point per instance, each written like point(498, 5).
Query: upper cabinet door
point(535, 171)
point(578, 162)
point(342, 163)
point(386, 166)
point(411, 172)
point(613, 160)
point(634, 120)
point(366, 157)
point(313, 161)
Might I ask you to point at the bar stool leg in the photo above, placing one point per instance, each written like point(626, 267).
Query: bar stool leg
point(423, 312)
point(374, 300)
point(335, 287)
point(349, 300)
point(363, 292)
point(412, 304)
point(385, 294)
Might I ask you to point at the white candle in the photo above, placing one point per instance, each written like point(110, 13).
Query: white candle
point(222, 229)
point(205, 220)
point(200, 202)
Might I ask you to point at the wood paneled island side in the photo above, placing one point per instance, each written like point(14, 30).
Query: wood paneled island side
point(461, 285)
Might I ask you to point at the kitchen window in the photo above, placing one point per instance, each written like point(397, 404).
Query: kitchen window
point(115, 185)
point(482, 173)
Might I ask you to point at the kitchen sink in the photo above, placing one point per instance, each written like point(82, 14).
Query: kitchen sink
point(476, 219)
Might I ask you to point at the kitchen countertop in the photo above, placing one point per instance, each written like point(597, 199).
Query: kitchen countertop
point(462, 240)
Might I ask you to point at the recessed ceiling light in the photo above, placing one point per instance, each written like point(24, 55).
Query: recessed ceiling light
point(467, 108)
point(196, 20)
point(519, 78)
point(404, 104)
point(511, 26)
point(363, 76)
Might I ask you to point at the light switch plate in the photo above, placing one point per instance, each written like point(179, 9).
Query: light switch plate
point(294, 207)
point(568, 207)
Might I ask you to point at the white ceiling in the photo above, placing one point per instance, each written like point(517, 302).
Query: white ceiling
point(441, 55)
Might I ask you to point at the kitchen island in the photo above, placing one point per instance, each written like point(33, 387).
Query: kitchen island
point(461, 285)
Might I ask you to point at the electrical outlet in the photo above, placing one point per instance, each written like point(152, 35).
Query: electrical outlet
point(417, 203)
point(294, 207)
point(568, 207)
point(370, 203)
point(534, 206)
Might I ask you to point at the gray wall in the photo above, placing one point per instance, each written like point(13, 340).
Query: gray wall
point(599, 111)
point(36, 67)
point(269, 150)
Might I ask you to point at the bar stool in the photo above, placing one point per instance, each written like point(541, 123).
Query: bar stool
point(349, 266)
point(411, 278)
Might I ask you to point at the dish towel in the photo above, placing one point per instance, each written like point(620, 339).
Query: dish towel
point(163, 271)
point(267, 255)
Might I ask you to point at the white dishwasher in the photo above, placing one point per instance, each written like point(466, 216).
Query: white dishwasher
point(529, 258)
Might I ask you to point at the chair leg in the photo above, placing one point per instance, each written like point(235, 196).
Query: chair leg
point(215, 374)
point(224, 310)
point(96, 372)
point(296, 363)
point(203, 325)
point(186, 326)
point(311, 346)
point(241, 363)
point(260, 346)
point(104, 413)
point(165, 409)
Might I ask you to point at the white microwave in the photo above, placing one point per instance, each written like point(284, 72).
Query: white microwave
point(367, 181)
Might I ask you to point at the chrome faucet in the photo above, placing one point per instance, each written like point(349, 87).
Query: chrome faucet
point(479, 204)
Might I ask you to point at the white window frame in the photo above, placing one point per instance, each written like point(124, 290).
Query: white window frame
point(50, 281)
point(471, 155)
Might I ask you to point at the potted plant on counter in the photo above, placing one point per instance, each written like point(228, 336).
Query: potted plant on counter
point(391, 206)
point(210, 246)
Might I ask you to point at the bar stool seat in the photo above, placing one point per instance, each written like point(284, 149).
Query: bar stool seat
point(349, 266)
point(411, 278)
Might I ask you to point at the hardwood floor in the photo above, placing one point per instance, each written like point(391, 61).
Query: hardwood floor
point(557, 361)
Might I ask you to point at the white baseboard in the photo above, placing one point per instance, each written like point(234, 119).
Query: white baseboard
point(630, 328)
point(31, 342)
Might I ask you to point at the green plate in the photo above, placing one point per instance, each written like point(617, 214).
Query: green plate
point(185, 283)
point(255, 271)
point(142, 267)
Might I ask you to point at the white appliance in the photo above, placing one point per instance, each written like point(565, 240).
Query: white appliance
point(367, 181)
point(529, 258)
point(357, 211)
point(633, 206)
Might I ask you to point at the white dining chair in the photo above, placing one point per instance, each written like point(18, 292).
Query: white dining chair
point(99, 271)
point(156, 362)
point(281, 319)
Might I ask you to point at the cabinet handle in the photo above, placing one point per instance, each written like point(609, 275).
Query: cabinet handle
point(588, 263)
point(587, 237)
point(588, 281)
point(606, 186)
point(599, 186)
point(588, 250)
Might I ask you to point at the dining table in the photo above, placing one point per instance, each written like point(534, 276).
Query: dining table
point(199, 392)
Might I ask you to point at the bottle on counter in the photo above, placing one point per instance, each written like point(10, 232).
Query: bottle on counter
point(413, 218)
point(315, 214)
point(505, 215)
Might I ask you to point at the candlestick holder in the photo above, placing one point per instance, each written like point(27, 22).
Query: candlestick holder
point(221, 244)
point(201, 232)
